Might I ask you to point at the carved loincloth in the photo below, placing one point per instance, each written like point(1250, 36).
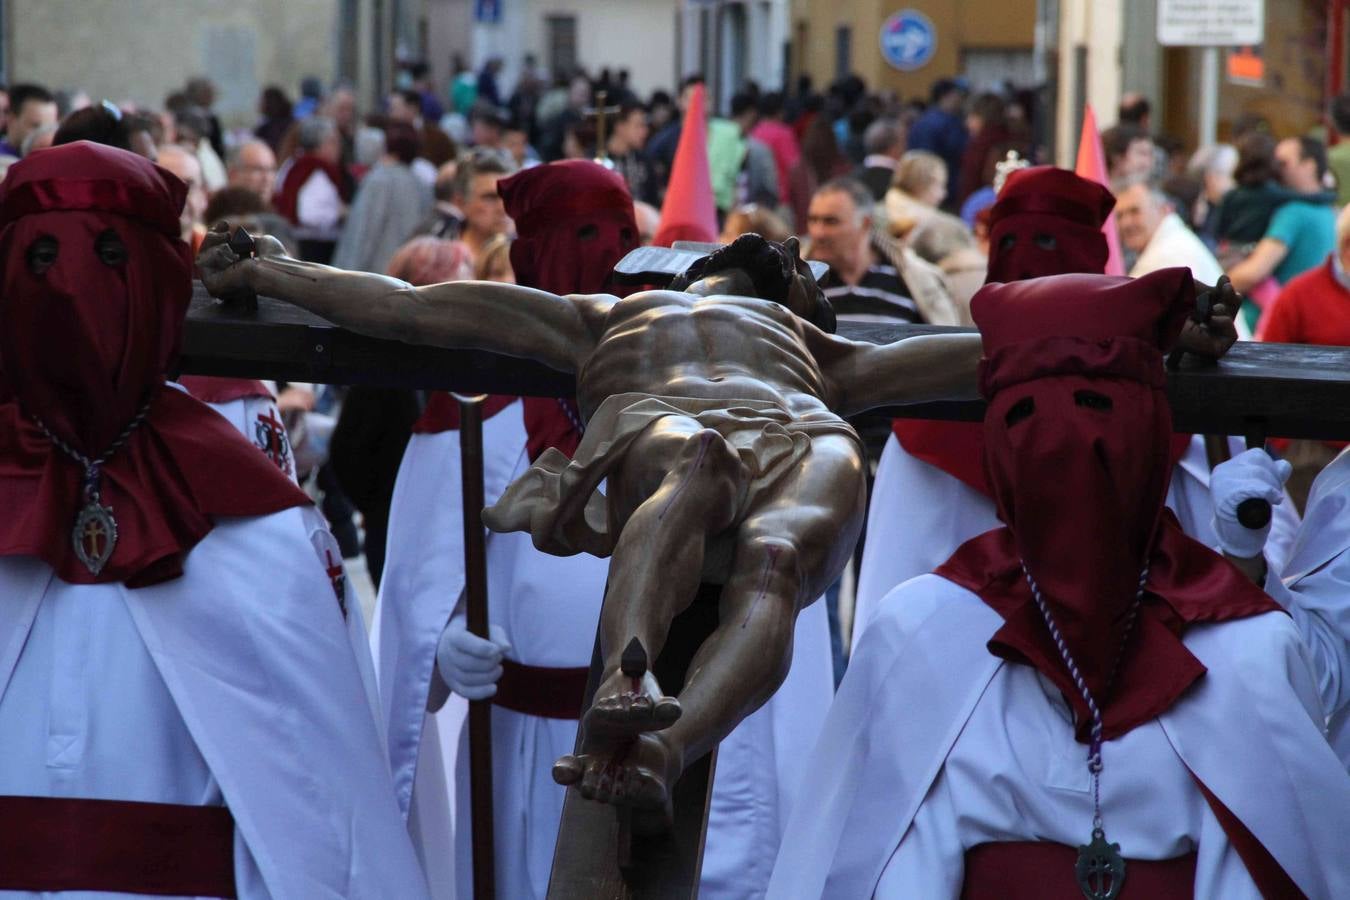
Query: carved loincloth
point(558, 500)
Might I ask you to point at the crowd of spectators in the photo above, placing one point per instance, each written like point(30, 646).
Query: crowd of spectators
point(892, 192)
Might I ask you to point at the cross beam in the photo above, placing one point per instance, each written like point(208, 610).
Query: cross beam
point(1277, 390)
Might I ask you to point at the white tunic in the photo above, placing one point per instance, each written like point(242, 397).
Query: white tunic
point(237, 684)
point(548, 606)
point(933, 745)
point(85, 698)
point(1314, 585)
point(919, 515)
point(1019, 741)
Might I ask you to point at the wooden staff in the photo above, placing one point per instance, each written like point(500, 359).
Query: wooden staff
point(475, 590)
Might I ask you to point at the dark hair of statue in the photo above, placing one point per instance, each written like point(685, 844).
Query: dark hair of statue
point(770, 268)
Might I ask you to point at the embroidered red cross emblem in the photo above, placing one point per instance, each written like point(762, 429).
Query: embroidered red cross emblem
point(338, 578)
point(270, 438)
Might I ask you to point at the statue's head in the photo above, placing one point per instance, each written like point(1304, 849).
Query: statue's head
point(752, 266)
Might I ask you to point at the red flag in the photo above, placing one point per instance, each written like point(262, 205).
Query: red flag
point(1092, 166)
point(689, 213)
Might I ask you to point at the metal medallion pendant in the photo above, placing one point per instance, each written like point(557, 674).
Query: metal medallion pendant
point(94, 536)
point(1100, 868)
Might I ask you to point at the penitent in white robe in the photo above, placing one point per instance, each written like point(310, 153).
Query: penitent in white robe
point(1314, 585)
point(919, 515)
point(237, 684)
point(934, 745)
point(549, 607)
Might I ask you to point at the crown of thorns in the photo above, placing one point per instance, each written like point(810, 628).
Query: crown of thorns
point(768, 264)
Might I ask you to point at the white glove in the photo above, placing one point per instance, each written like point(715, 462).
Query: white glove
point(1254, 473)
point(470, 666)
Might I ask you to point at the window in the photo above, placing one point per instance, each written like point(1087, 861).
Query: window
point(562, 44)
point(843, 51)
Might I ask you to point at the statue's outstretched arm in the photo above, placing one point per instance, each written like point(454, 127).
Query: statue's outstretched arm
point(473, 315)
point(920, 369)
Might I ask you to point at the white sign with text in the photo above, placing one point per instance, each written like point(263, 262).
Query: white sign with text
point(1211, 23)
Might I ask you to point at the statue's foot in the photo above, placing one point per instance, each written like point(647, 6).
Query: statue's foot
point(627, 706)
point(639, 776)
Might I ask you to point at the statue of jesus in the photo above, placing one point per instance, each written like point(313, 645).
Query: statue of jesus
point(713, 414)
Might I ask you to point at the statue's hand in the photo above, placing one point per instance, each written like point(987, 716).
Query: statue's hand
point(224, 272)
point(1217, 332)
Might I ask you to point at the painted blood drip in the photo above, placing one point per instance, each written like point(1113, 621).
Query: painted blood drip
point(769, 564)
point(704, 442)
point(614, 768)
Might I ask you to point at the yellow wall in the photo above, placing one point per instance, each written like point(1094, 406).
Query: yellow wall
point(989, 24)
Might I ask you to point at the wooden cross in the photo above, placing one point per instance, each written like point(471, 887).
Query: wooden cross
point(599, 112)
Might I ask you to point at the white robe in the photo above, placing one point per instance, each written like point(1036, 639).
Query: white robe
point(919, 515)
point(934, 745)
point(1314, 585)
point(238, 683)
point(548, 606)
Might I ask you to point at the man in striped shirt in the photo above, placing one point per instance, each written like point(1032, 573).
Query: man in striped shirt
point(864, 284)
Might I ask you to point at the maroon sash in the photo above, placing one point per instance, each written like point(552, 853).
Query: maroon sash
point(541, 691)
point(62, 844)
point(1044, 870)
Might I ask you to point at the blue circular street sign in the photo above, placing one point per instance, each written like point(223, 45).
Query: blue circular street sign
point(908, 40)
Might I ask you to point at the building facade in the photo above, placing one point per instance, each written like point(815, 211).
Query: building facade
point(562, 35)
point(1082, 52)
point(732, 42)
point(1104, 48)
point(143, 50)
point(658, 42)
point(906, 45)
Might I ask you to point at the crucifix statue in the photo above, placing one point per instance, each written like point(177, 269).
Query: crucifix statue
point(713, 414)
point(714, 417)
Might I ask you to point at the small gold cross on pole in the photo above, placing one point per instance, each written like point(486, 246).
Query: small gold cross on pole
point(600, 111)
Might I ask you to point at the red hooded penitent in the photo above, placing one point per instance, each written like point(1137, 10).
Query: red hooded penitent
point(1076, 435)
point(574, 222)
point(87, 337)
point(1047, 221)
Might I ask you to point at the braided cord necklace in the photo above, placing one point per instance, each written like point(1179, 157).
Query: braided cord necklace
point(94, 535)
point(573, 415)
point(1100, 868)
